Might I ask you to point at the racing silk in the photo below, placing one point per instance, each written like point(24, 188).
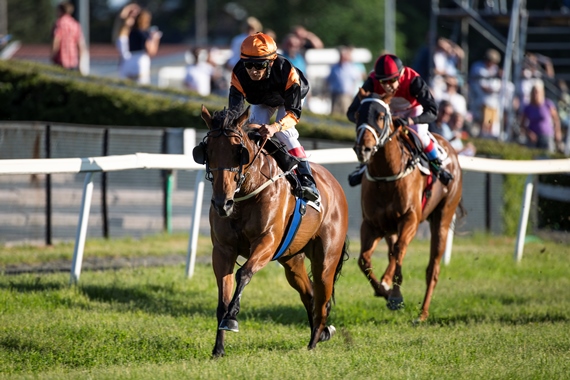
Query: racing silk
point(286, 86)
point(412, 92)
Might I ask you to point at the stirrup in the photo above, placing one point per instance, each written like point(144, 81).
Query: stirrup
point(355, 178)
point(309, 190)
point(445, 176)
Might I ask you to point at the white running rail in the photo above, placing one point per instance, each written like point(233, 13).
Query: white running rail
point(185, 162)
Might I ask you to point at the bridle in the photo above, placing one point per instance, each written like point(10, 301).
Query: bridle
point(201, 157)
point(381, 136)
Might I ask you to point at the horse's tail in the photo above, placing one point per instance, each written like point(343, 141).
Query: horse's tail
point(344, 257)
point(462, 210)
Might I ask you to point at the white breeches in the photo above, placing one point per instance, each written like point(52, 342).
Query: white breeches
point(261, 114)
point(421, 129)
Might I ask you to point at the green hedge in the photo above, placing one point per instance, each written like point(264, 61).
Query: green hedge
point(37, 92)
point(32, 91)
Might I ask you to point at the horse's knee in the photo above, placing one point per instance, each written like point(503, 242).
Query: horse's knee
point(364, 265)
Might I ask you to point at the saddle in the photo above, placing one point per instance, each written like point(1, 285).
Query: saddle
point(286, 162)
point(412, 142)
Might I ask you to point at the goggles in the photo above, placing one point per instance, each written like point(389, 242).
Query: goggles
point(258, 65)
point(387, 81)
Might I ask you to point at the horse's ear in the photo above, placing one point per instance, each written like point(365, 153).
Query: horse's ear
point(206, 117)
point(386, 98)
point(362, 93)
point(243, 117)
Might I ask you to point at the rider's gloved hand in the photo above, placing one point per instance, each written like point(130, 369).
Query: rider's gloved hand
point(268, 130)
point(400, 122)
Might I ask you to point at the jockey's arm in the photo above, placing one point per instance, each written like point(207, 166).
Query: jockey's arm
point(420, 90)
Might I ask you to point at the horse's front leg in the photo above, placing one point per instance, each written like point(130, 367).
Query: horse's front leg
point(258, 259)
point(223, 265)
point(368, 241)
point(398, 247)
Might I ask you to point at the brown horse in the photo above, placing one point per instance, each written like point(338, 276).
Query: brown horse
point(252, 206)
point(393, 203)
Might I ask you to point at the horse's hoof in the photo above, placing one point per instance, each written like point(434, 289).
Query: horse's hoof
point(327, 333)
point(229, 325)
point(216, 355)
point(395, 303)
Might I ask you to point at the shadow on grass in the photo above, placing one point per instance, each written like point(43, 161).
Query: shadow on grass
point(166, 300)
point(35, 284)
point(511, 319)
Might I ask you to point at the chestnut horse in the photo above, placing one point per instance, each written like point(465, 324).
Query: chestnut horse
point(393, 203)
point(252, 206)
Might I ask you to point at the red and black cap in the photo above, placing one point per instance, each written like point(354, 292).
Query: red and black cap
point(388, 66)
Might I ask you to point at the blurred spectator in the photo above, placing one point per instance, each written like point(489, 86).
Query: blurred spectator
point(121, 30)
point(452, 95)
point(485, 88)
point(4, 39)
point(343, 81)
point(251, 26)
point(199, 71)
point(421, 62)
point(68, 43)
point(220, 80)
point(143, 44)
point(564, 114)
point(456, 124)
point(291, 49)
point(446, 63)
point(536, 69)
point(441, 123)
point(540, 122)
point(309, 40)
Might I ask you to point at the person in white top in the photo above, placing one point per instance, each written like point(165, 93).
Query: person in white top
point(199, 72)
point(121, 30)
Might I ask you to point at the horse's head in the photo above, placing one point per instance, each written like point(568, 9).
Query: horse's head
point(373, 124)
point(225, 153)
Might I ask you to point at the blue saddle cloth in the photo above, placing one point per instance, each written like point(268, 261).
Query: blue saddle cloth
point(300, 210)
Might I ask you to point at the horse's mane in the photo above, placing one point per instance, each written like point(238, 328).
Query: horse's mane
point(225, 119)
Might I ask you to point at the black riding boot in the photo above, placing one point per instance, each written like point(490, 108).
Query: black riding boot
point(284, 160)
point(355, 178)
point(443, 175)
point(308, 185)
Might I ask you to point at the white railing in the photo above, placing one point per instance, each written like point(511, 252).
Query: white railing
point(184, 162)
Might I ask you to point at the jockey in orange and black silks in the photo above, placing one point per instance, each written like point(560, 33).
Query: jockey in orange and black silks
point(273, 86)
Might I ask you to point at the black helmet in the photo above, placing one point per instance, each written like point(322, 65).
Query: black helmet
point(388, 66)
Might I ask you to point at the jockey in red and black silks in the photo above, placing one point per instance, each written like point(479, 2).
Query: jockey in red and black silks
point(412, 103)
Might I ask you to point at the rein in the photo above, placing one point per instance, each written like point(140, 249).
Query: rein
point(241, 172)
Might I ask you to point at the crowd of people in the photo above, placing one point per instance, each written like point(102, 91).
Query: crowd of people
point(468, 102)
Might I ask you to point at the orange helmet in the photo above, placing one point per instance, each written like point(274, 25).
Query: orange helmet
point(258, 46)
